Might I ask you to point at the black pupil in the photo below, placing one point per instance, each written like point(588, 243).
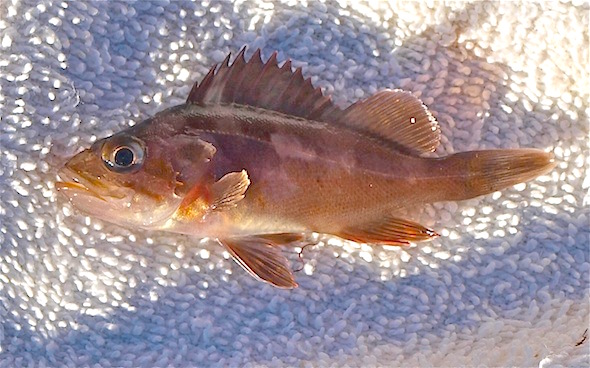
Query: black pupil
point(124, 157)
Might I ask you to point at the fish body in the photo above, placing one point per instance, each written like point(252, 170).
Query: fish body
point(257, 157)
point(303, 174)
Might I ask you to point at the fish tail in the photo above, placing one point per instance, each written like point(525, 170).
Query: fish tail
point(476, 173)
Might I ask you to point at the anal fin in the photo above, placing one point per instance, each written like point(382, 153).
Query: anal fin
point(388, 231)
point(261, 258)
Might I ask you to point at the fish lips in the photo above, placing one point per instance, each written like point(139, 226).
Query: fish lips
point(75, 185)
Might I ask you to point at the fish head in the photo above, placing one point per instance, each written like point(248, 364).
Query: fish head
point(134, 178)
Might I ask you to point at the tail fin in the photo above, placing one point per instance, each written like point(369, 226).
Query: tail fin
point(481, 172)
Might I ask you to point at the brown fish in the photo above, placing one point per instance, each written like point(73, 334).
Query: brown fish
point(257, 157)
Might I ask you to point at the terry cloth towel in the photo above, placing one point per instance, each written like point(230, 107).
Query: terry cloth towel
point(507, 283)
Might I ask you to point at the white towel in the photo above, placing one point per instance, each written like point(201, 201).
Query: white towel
point(507, 283)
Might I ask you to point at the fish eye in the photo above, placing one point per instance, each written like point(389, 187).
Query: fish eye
point(124, 155)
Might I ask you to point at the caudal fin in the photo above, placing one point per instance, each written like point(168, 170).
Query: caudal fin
point(481, 172)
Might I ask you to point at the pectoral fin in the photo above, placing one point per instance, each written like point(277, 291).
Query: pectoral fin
point(262, 259)
point(229, 190)
point(224, 193)
point(389, 231)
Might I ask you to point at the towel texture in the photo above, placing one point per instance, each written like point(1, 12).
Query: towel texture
point(507, 283)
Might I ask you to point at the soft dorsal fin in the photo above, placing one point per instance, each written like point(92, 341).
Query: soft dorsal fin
point(397, 116)
point(260, 84)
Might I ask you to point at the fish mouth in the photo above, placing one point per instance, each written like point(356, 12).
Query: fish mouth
point(73, 183)
point(76, 188)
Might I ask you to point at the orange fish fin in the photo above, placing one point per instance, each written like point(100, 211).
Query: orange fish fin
point(194, 205)
point(397, 116)
point(483, 172)
point(262, 259)
point(389, 231)
point(229, 190)
point(261, 84)
point(224, 193)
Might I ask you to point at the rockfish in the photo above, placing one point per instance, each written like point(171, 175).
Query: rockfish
point(257, 157)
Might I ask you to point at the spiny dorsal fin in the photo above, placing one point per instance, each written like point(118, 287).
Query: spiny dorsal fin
point(393, 115)
point(397, 116)
point(259, 84)
point(389, 231)
point(229, 190)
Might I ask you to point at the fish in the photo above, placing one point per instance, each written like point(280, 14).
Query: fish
point(257, 158)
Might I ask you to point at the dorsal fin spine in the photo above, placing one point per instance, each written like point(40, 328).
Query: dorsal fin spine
point(239, 62)
point(197, 90)
point(225, 69)
point(301, 97)
point(320, 107)
point(286, 65)
point(289, 84)
point(270, 66)
point(266, 68)
point(298, 79)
